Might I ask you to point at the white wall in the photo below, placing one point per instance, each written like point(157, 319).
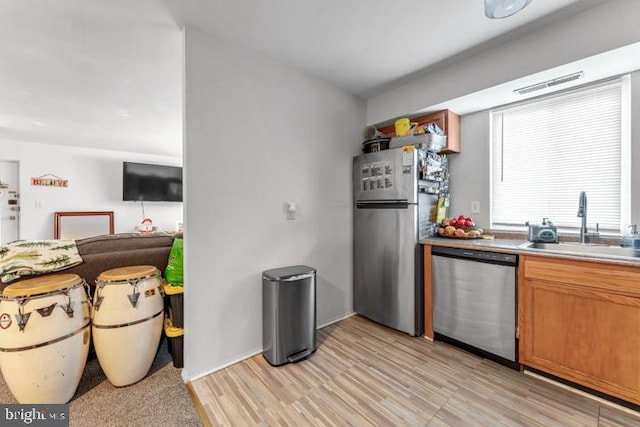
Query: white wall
point(612, 25)
point(95, 184)
point(469, 171)
point(258, 134)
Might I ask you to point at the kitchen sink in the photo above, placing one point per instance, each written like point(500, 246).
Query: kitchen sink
point(584, 249)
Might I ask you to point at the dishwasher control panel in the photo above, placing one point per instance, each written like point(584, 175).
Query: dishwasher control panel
point(502, 258)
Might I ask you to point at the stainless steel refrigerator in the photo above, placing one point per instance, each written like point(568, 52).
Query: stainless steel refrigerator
point(393, 207)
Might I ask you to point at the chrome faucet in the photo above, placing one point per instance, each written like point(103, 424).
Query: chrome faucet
point(582, 213)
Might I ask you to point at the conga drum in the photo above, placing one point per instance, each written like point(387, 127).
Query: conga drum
point(44, 337)
point(127, 322)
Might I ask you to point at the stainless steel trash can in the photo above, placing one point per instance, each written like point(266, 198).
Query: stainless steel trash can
point(288, 314)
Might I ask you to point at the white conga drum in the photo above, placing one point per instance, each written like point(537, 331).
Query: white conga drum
point(127, 322)
point(44, 337)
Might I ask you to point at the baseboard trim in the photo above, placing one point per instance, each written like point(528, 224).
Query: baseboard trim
point(336, 320)
point(256, 352)
point(197, 404)
point(227, 364)
point(598, 399)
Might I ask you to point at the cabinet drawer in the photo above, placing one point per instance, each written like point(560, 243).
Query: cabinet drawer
point(619, 279)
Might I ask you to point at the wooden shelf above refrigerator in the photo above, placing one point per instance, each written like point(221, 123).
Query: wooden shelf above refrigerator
point(447, 120)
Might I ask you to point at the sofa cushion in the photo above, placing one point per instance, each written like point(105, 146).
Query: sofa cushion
point(123, 242)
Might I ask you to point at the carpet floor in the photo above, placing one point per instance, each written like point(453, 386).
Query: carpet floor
point(159, 399)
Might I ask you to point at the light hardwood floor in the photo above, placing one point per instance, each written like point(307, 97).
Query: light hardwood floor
point(366, 374)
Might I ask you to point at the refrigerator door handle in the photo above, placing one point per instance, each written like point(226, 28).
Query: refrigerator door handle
point(383, 204)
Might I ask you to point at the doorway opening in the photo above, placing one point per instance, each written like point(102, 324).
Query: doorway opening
point(9, 201)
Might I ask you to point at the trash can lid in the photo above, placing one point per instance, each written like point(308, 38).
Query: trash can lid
point(285, 273)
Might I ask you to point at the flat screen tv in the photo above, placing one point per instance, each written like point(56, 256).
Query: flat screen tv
point(151, 183)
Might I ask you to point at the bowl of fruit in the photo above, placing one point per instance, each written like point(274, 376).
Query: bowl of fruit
point(461, 227)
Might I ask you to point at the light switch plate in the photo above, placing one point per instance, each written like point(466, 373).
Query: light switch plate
point(475, 207)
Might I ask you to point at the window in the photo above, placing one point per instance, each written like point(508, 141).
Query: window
point(546, 151)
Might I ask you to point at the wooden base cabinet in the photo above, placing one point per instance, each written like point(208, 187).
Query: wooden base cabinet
point(581, 321)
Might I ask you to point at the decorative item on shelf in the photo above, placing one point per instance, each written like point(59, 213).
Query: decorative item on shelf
point(49, 180)
point(402, 126)
point(3, 185)
point(146, 226)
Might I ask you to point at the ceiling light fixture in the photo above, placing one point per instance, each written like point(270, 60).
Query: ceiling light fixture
point(498, 9)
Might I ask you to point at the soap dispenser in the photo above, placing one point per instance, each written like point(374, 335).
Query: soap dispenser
point(631, 239)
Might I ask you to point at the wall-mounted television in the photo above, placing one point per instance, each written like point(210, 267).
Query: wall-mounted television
point(151, 183)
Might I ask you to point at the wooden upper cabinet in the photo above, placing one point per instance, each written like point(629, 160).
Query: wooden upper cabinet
point(447, 120)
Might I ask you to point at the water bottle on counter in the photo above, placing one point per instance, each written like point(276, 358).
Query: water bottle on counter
point(632, 239)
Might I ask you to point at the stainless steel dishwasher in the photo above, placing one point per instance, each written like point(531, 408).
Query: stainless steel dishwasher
point(474, 300)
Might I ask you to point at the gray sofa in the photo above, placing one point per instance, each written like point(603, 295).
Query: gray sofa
point(105, 252)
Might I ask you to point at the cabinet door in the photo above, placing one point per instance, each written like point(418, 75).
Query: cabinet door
point(584, 335)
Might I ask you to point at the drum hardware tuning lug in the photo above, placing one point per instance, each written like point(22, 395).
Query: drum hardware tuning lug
point(21, 317)
point(22, 320)
point(98, 297)
point(67, 307)
point(88, 291)
point(46, 311)
point(133, 299)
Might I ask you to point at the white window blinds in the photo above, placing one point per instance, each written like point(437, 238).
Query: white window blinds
point(544, 153)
